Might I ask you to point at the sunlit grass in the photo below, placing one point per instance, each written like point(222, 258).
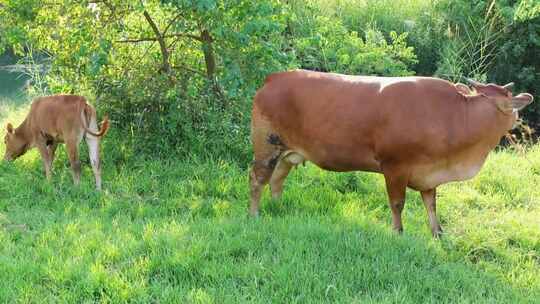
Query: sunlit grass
point(177, 231)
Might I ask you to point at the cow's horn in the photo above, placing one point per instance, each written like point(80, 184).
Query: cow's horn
point(474, 83)
point(509, 86)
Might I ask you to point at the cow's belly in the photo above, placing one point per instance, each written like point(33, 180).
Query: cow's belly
point(52, 137)
point(360, 161)
point(425, 177)
point(353, 164)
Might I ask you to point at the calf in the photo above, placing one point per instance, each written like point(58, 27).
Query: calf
point(53, 120)
point(419, 132)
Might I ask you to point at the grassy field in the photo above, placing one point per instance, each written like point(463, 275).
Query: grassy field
point(176, 231)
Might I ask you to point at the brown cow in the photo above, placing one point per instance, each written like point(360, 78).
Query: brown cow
point(418, 132)
point(56, 119)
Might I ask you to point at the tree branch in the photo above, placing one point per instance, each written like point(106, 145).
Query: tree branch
point(161, 41)
point(171, 22)
point(152, 39)
point(143, 39)
point(183, 67)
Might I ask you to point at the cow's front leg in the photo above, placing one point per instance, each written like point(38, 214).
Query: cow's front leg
point(396, 186)
point(73, 154)
point(46, 158)
point(429, 198)
point(52, 151)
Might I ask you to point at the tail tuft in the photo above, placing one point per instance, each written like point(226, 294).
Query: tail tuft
point(104, 126)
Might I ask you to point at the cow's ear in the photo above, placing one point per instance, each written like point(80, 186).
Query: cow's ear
point(521, 101)
point(463, 89)
point(9, 128)
point(509, 86)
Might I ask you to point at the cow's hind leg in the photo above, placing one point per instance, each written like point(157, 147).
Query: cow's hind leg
point(93, 150)
point(267, 149)
point(259, 176)
point(278, 177)
point(284, 166)
point(267, 154)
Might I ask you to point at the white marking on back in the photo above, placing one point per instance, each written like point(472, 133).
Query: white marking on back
point(383, 82)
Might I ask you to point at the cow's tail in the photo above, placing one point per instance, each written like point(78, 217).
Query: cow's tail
point(104, 123)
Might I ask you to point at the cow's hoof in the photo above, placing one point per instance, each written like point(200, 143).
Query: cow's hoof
point(398, 231)
point(437, 234)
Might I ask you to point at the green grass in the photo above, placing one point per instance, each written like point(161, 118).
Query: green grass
point(177, 231)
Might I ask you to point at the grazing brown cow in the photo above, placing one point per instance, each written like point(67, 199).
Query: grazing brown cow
point(56, 119)
point(418, 132)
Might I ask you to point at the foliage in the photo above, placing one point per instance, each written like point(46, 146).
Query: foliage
point(328, 46)
point(418, 18)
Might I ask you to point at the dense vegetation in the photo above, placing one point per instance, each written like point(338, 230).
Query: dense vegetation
point(177, 78)
point(187, 70)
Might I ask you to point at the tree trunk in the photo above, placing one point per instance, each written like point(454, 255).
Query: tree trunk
point(208, 51)
point(210, 61)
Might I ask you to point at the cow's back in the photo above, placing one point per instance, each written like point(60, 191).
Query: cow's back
point(56, 114)
point(352, 122)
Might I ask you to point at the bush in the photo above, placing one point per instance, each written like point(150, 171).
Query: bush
point(329, 46)
point(418, 18)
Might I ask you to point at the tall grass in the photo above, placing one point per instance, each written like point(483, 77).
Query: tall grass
point(472, 47)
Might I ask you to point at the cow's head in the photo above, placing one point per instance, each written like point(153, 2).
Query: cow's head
point(15, 144)
point(501, 96)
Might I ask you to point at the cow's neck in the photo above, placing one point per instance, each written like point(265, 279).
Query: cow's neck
point(23, 131)
point(486, 124)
